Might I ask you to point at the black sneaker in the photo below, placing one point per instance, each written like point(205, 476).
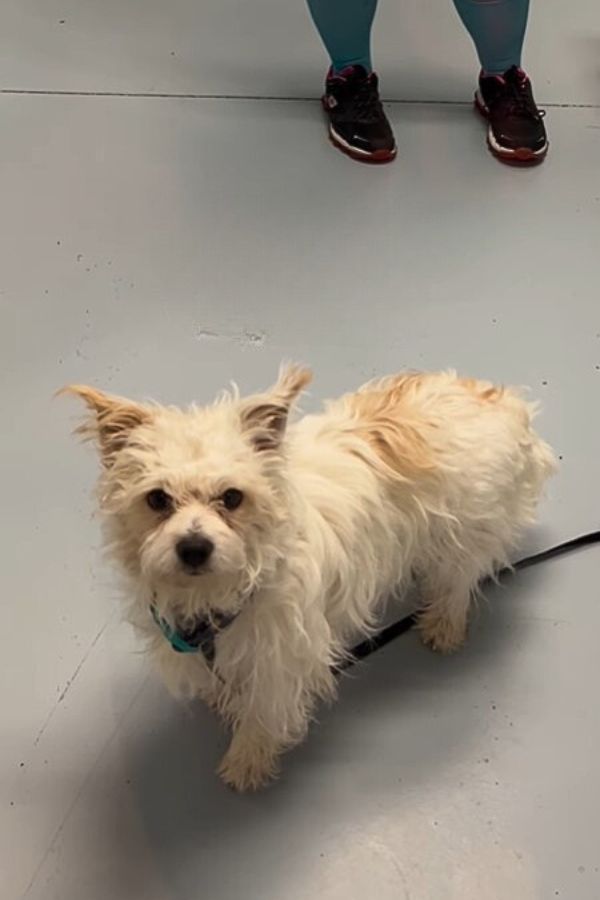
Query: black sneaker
point(357, 123)
point(516, 130)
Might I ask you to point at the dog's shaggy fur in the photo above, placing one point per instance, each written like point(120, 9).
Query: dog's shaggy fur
point(425, 476)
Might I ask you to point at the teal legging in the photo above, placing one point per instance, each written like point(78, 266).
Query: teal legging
point(497, 28)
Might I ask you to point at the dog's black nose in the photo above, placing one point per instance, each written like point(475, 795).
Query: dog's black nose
point(194, 550)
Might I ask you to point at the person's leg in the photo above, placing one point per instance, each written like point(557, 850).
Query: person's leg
point(345, 29)
point(516, 130)
point(357, 122)
point(497, 28)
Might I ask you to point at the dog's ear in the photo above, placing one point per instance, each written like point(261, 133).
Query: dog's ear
point(111, 421)
point(265, 416)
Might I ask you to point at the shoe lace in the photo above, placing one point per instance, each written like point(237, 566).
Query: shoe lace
point(366, 101)
point(519, 101)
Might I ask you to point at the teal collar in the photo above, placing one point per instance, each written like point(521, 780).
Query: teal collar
point(200, 638)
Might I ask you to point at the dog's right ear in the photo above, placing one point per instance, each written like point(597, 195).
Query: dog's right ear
point(111, 419)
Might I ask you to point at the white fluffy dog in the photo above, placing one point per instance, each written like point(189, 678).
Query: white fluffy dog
point(260, 551)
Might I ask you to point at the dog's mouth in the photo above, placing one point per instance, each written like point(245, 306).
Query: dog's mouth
point(185, 572)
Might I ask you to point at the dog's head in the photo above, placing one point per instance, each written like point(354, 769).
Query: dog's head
point(194, 498)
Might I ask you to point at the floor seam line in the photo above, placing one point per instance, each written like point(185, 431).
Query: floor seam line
point(147, 95)
point(84, 783)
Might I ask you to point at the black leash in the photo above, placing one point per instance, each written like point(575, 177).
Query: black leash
point(383, 637)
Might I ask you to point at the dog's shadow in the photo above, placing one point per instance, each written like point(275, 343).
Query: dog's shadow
point(400, 718)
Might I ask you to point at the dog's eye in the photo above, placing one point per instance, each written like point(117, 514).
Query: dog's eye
point(159, 500)
point(232, 498)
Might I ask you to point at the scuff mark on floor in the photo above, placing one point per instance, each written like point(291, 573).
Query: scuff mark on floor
point(69, 684)
point(245, 339)
point(205, 334)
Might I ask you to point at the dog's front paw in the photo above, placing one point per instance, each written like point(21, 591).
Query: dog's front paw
point(442, 634)
point(248, 766)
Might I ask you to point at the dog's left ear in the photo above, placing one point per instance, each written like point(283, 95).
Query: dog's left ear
point(265, 416)
point(112, 420)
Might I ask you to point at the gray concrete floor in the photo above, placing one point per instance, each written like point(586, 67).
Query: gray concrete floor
point(162, 246)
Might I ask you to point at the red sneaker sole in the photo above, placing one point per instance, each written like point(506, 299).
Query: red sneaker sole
point(521, 156)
